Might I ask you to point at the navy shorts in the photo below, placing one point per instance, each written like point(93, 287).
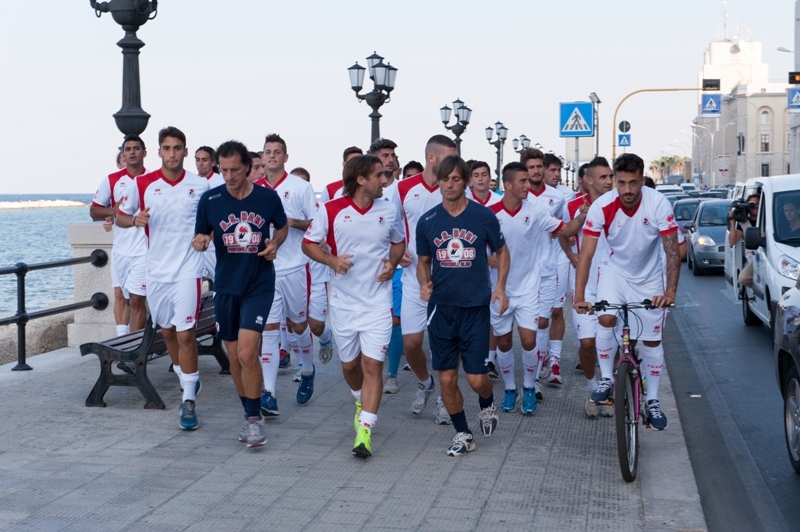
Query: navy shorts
point(249, 311)
point(459, 331)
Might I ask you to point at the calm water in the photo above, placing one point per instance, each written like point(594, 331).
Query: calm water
point(33, 228)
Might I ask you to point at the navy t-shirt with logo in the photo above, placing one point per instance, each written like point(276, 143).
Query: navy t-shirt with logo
point(240, 228)
point(457, 247)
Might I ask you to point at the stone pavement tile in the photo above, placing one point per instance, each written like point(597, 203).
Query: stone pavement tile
point(142, 526)
point(30, 500)
point(491, 521)
point(458, 524)
point(215, 524)
point(401, 510)
point(39, 524)
point(352, 517)
point(95, 525)
point(178, 521)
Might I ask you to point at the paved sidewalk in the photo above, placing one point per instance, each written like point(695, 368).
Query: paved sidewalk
point(64, 466)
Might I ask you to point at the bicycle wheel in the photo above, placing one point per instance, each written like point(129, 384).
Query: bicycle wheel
point(627, 424)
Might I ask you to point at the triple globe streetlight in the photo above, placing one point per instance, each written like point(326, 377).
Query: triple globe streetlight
point(383, 76)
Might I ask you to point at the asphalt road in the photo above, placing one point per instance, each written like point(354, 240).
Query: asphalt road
point(731, 409)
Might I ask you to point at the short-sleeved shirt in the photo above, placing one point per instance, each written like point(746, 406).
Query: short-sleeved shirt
point(600, 253)
point(240, 229)
point(214, 180)
point(170, 230)
point(527, 231)
point(367, 235)
point(414, 198)
point(457, 247)
point(633, 237)
point(491, 198)
point(332, 191)
point(128, 241)
point(553, 200)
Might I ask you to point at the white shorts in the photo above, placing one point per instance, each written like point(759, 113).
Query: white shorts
point(175, 304)
point(585, 325)
point(614, 288)
point(562, 282)
point(524, 310)
point(129, 274)
point(291, 298)
point(318, 302)
point(360, 331)
point(547, 296)
point(210, 262)
point(414, 311)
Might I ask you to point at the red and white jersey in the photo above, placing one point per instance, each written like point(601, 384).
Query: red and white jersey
point(131, 241)
point(491, 198)
point(569, 215)
point(319, 272)
point(300, 203)
point(553, 201)
point(170, 231)
point(332, 191)
point(633, 237)
point(568, 193)
point(343, 225)
point(390, 192)
point(414, 198)
point(527, 232)
point(601, 251)
point(214, 180)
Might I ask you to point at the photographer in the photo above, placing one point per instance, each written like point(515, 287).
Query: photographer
point(737, 223)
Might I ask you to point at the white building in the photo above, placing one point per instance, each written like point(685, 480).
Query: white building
point(794, 118)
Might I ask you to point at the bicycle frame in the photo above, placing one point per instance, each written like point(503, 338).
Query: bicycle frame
point(626, 356)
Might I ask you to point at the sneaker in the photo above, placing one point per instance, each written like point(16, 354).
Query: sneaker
point(555, 375)
point(578, 366)
point(356, 424)
point(363, 444)
point(509, 401)
point(306, 388)
point(326, 351)
point(529, 404)
point(269, 405)
point(604, 391)
point(390, 386)
point(538, 389)
point(442, 417)
point(606, 409)
point(298, 375)
point(286, 359)
point(545, 367)
point(493, 374)
point(421, 398)
point(463, 443)
point(406, 367)
point(255, 432)
point(591, 408)
point(198, 387)
point(243, 431)
point(658, 420)
point(188, 415)
point(489, 419)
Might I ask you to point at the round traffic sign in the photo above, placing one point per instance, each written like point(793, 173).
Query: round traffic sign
point(624, 126)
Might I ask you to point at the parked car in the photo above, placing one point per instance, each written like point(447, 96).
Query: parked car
point(672, 198)
point(787, 368)
point(719, 194)
point(669, 189)
point(688, 187)
point(684, 210)
point(705, 245)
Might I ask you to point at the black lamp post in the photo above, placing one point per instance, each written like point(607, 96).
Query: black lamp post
point(130, 14)
point(383, 77)
point(463, 114)
point(525, 141)
point(502, 135)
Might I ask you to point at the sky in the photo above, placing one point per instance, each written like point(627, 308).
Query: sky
point(244, 68)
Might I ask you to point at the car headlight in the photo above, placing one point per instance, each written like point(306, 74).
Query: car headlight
point(788, 267)
point(707, 241)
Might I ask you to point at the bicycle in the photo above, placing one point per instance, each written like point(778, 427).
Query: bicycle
point(629, 392)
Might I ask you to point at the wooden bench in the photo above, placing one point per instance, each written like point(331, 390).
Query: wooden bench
point(138, 347)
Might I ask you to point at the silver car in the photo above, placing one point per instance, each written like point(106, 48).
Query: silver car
point(705, 240)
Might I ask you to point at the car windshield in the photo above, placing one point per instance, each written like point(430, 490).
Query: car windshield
point(710, 215)
point(787, 217)
point(685, 212)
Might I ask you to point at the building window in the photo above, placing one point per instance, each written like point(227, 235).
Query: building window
point(765, 118)
point(765, 170)
point(764, 142)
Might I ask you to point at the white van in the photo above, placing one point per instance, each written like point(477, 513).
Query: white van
point(688, 187)
point(669, 189)
point(776, 249)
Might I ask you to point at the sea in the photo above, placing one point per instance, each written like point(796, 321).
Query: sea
point(33, 229)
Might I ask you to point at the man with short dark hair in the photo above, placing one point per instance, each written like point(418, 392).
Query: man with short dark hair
point(302, 173)
point(480, 181)
point(259, 170)
point(334, 190)
point(383, 149)
point(205, 159)
point(411, 169)
point(581, 190)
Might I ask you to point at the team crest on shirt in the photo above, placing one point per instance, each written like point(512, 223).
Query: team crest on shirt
point(286, 194)
point(453, 251)
point(191, 192)
point(381, 221)
point(526, 220)
point(157, 192)
point(551, 201)
point(646, 222)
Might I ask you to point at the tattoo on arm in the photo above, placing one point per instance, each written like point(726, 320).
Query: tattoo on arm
point(673, 261)
point(299, 224)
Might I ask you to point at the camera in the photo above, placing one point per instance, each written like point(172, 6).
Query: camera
point(741, 210)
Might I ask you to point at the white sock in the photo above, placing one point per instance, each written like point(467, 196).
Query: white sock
point(356, 394)
point(653, 362)
point(428, 383)
point(530, 361)
point(325, 337)
point(367, 419)
point(292, 345)
point(555, 351)
point(543, 344)
point(591, 384)
point(505, 361)
point(606, 347)
point(284, 338)
point(493, 356)
point(270, 359)
point(305, 351)
point(189, 381)
point(177, 369)
point(123, 329)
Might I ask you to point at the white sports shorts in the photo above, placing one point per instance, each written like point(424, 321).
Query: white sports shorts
point(318, 302)
point(291, 297)
point(547, 296)
point(361, 331)
point(175, 304)
point(614, 288)
point(414, 311)
point(524, 310)
point(562, 282)
point(210, 261)
point(129, 273)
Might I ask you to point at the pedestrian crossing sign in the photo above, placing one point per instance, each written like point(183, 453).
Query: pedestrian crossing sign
point(711, 104)
point(624, 141)
point(576, 119)
point(793, 99)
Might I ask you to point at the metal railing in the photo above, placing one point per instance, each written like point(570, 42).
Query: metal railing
point(99, 300)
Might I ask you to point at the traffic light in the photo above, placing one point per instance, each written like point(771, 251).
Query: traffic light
point(794, 78)
point(710, 84)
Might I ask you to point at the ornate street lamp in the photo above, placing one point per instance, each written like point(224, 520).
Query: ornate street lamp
point(383, 77)
point(525, 141)
point(463, 114)
point(502, 135)
point(130, 14)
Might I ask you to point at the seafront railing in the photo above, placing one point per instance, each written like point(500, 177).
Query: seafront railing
point(98, 301)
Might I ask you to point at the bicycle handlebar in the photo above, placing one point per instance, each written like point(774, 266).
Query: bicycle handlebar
point(646, 304)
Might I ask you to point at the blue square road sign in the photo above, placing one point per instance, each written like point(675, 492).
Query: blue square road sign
point(576, 119)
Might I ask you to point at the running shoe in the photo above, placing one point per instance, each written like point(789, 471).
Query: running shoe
point(326, 351)
point(529, 404)
point(554, 377)
point(390, 386)
point(658, 420)
point(286, 359)
point(188, 415)
point(406, 367)
point(578, 366)
point(604, 391)
point(255, 432)
point(198, 386)
point(538, 388)
point(509, 403)
point(545, 366)
point(420, 402)
point(269, 405)
point(356, 424)
point(463, 443)
point(489, 419)
point(442, 417)
point(591, 408)
point(306, 388)
point(298, 375)
point(363, 444)
point(607, 410)
point(243, 431)
point(493, 374)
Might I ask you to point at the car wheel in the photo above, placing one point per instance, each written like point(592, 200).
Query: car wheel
point(791, 417)
point(689, 263)
point(697, 271)
point(750, 319)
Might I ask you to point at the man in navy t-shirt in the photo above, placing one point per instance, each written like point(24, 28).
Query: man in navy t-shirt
point(453, 274)
point(238, 217)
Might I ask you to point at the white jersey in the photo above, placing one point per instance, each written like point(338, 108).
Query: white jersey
point(343, 226)
point(491, 198)
point(332, 191)
point(318, 272)
point(568, 193)
point(601, 251)
point(300, 203)
point(215, 180)
point(131, 241)
point(553, 201)
point(527, 232)
point(170, 231)
point(414, 198)
point(390, 192)
point(633, 237)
